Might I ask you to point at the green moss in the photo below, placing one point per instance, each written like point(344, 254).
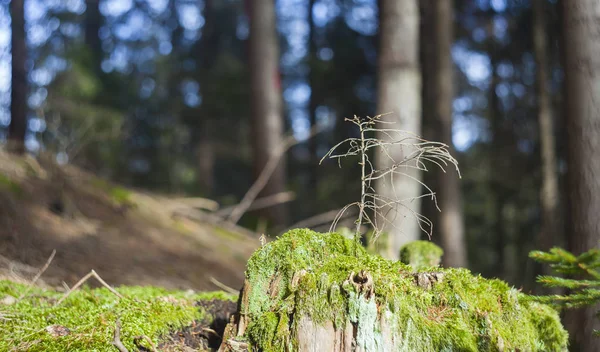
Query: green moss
point(90, 315)
point(306, 273)
point(7, 184)
point(119, 195)
point(421, 254)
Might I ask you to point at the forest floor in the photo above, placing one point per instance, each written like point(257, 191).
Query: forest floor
point(127, 237)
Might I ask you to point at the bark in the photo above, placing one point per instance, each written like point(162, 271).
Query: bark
point(549, 192)
point(18, 95)
point(399, 89)
point(582, 75)
point(441, 81)
point(267, 117)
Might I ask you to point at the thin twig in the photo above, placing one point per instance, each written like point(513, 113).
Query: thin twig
point(265, 175)
point(83, 280)
point(419, 151)
point(37, 276)
point(224, 287)
point(117, 337)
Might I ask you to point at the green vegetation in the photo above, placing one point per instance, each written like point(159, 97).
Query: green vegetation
point(421, 254)
point(90, 315)
point(10, 185)
point(584, 291)
point(307, 273)
point(119, 195)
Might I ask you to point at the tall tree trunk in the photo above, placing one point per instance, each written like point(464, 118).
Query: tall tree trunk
point(312, 102)
point(450, 198)
point(549, 193)
point(205, 150)
point(18, 95)
point(582, 75)
point(498, 161)
point(92, 24)
point(267, 114)
point(399, 93)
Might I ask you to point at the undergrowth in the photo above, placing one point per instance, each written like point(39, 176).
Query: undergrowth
point(90, 316)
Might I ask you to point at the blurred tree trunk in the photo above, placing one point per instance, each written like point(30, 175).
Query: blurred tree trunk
point(439, 82)
point(18, 95)
point(267, 112)
point(205, 151)
point(399, 92)
point(549, 194)
point(498, 162)
point(312, 102)
point(582, 75)
point(92, 24)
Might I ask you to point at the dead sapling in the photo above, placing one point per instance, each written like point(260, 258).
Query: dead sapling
point(373, 208)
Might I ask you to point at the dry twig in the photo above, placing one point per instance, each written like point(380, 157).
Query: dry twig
point(373, 207)
point(261, 203)
point(117, 337)
point(265, 175)
point(83, 280)
point(224, 287)
point(37, 276)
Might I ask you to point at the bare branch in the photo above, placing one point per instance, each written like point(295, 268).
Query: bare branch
point(418, 152)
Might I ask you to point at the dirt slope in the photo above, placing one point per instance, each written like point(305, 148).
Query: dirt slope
point(128, 237)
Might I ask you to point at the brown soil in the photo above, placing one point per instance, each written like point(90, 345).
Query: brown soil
point(136, 242)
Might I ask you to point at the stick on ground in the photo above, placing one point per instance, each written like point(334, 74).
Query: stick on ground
point(83, 280)
point(224, 287)
point(117, 337)
point(37, 276)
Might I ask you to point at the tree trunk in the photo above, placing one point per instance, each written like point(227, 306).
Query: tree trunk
point(582, 75)
point(549, 192)
point(92, 24)
point(399, 93)
point(312, 102)
point(18, 95)
point(267, 117)
point(441, 84)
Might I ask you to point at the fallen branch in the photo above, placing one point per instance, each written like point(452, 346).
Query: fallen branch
point(117, 338)
point(196, 203)
point(212, 219)
point(224, 287)
point(265, 175)
point(319, 219)
point(83, 280)
point(261, 203)
point(37, 276)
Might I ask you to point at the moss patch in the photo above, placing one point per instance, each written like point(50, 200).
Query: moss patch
point(90, 315)
point(306, 273)
point(119, 195)
point(421, 254)
point(7, 184)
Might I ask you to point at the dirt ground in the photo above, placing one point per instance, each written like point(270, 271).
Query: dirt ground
point(127, 237)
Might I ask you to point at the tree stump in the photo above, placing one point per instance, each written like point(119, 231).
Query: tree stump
point(307, 291)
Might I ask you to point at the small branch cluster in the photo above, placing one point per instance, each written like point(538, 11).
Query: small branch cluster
point(374, 208)
point(583, 291)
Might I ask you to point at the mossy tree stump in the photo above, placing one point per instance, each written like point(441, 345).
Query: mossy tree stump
point(308, 292)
